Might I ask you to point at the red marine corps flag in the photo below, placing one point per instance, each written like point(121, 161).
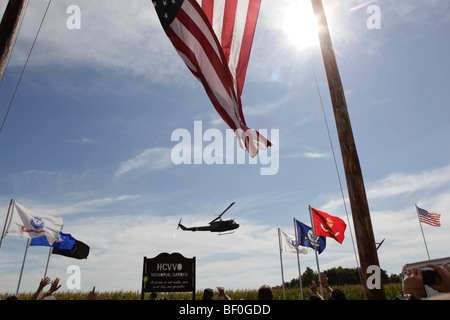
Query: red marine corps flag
point(219, 65)
point(328, 226)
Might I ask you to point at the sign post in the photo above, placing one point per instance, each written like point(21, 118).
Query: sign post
point(168, 273)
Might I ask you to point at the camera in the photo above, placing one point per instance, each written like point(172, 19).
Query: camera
point(430, 277)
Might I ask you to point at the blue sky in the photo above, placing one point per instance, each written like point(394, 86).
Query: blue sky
point(88, 138)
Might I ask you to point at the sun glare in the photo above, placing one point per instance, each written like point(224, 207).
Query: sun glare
point(300, 25)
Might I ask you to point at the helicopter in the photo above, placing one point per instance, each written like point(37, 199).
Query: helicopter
point(214, 225)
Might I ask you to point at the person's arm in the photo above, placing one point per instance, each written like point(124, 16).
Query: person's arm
point(222, 293)
point(444, 273)
point(92, 295)
point(53, 288)
point(324, 282)
point(413, 283)
point(313, 287)
point(42, 285)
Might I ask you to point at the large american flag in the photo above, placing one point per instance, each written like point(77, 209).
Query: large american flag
point(220, 66)
point(433, 219)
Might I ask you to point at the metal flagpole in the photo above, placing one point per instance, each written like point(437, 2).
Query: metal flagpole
point(48, 260)
point(281, 261)
point(23, 263)
point(6, 221)
point(315, 247)
point(298, 258)
point(423, 235)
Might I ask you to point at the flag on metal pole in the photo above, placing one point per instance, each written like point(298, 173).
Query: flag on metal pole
point(63, 241)
point(328, 226)
point(307, 239)
point(288, 244)
point(432, 219)
point(29, 223)
point(219, 65)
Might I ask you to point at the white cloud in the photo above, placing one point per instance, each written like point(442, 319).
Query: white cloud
point(403, 183)
point(118, 35)
point(310, 154)
point(82, 140)
point(149, 160)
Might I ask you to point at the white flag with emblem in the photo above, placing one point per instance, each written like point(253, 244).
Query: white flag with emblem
point(287, 244)
point(29, 223)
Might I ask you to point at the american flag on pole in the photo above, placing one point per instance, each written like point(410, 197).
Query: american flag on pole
point(433, 219)
point(219, 65)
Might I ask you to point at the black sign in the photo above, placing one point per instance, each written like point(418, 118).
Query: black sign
point(168, 273)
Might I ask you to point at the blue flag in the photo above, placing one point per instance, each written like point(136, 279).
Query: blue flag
point(63, 241)
point(306, 239)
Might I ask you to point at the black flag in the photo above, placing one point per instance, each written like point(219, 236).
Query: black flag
point(80, 250)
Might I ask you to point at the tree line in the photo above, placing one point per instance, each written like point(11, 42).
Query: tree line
point(339, 276)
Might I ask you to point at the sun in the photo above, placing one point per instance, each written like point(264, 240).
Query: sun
point(300, 25)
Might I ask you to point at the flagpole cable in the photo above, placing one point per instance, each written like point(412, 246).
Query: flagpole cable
point(14, 44)
point(423, 235)
point(336, 166)
point(25, 66)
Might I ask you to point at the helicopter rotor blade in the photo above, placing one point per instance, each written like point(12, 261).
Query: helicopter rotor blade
point(220, 215)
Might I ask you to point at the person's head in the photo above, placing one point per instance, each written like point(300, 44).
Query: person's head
point(265, 293)
point(337, 295)
point(208, 294)
point(153, 296)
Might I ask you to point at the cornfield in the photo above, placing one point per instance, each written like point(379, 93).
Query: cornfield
point(352, 292)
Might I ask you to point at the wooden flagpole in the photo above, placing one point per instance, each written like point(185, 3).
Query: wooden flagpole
point(358, 201)
point(8, 29)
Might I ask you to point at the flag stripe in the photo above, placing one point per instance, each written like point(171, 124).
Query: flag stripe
point(208, 8)
point(247, 40)
point(227, 36)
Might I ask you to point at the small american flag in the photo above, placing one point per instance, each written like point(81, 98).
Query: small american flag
point(220, 65)
point(433, 219)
